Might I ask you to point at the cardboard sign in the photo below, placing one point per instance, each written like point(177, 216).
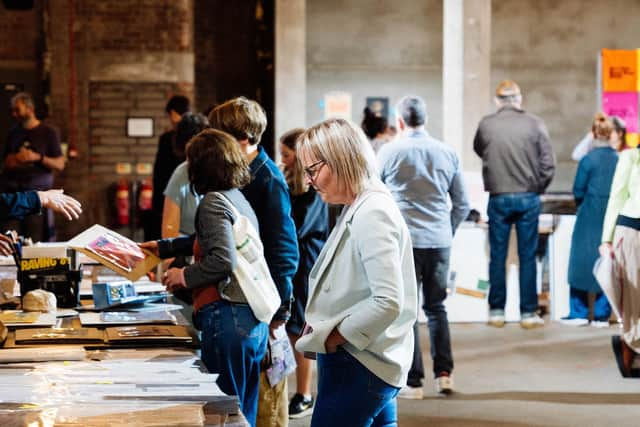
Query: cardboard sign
point(337, 105)
point(623, 105)
point(619, 70)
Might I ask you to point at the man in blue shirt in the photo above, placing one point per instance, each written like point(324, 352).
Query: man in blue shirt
point(423, 173)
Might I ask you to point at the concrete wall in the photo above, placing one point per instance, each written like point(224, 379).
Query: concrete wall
point(374, 48)
point(550, 48)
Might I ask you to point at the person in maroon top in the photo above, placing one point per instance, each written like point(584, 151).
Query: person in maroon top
point(31, 156)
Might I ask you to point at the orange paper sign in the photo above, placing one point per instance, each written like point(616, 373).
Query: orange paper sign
point(619, 70)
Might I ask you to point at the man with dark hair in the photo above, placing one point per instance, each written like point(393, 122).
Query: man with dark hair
point(164, 165)
point(517, 165)
point(422, 173)
point(31, 155)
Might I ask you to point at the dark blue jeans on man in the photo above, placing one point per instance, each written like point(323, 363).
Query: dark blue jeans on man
point(505, 210)
point(351, 395)
point(234, 343)
point(432, 272)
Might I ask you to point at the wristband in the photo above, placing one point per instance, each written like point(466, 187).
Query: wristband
point(41, 159)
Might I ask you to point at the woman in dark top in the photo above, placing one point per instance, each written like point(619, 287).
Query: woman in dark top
point(311, 217)
point(233, 340)
point(591, 191)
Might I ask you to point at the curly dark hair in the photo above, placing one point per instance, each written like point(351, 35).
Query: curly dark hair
point(190, 125)
point(216, 162)
point(373, 124)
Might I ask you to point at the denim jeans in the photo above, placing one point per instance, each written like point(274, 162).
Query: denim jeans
point(351, 395)
point(432, 269)
point(234, 343)
point(521, 209)
point(579, 305)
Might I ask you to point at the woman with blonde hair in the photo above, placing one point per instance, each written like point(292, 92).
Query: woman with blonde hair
point(311, 217)
point(591, 191)
point(362, 289)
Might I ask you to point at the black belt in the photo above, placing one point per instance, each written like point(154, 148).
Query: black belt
point(626, 221)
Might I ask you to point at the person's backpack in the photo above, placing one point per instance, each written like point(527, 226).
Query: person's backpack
point(252, 272)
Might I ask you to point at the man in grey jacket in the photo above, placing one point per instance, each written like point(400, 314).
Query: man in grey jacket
point(422, 174)
point(517, 165)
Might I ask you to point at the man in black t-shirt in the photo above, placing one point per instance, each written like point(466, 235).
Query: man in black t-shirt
point(31, 155)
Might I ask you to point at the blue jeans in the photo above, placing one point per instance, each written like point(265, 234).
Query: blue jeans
point(432, 271)
point(521, 209)
point(351, 395)
point(579, 304)
point(234, 343)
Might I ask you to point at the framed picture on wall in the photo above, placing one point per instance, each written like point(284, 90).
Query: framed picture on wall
point(379, 105)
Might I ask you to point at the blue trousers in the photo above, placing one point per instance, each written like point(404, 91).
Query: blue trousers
point(579, 305)
point(234, 343)
point(351, 395)
point(504, 210)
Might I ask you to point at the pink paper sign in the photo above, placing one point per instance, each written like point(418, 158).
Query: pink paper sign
point(623, 105)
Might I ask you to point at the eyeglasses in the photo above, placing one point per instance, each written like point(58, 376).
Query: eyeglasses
point(312, 170)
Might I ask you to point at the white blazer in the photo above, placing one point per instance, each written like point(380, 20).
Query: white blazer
point(364, 283)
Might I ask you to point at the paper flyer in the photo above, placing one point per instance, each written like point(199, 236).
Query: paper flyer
point(623, 105)
point(619, 70)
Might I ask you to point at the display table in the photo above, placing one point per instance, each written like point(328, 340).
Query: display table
point(145, 388)
point(469, 271)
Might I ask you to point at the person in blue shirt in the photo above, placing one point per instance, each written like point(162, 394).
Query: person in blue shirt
point(20, 204)
point(422, 174)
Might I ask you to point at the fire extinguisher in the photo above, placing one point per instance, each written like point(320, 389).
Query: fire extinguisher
point(122, 202)
point(146, 195)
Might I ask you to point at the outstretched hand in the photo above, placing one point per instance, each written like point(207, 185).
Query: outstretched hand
point(59, 202)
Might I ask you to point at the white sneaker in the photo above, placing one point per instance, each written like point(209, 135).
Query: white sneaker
point(496, 318)
point(412, 393)
point(444, 384)
point(600, 323)
point(576, 321)
point(531, 321)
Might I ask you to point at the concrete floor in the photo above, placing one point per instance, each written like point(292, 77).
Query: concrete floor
point(555, 376)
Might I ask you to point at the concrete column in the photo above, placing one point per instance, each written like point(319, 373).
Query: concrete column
point(290, 66)
point(466, 74)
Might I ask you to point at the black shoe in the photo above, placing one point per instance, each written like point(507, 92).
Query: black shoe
point(300, 407)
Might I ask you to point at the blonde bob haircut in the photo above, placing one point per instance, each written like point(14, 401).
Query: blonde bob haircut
point(345, 149)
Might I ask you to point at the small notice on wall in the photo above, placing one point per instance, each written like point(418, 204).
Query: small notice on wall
point(139, 127)
point(623, 105)
point(619, 70)
point(337, 105)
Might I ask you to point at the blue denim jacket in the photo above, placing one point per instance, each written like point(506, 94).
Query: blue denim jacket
point(268, 195)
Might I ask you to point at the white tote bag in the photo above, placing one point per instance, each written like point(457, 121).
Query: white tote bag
point(605, 274)
point(252, 272)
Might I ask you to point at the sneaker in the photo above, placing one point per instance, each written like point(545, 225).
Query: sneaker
point(531, 321)
point(496, 318)
point(300, 406)
point(600, 323)
point(574, 321)
point(412, 393)
point(444, 383)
